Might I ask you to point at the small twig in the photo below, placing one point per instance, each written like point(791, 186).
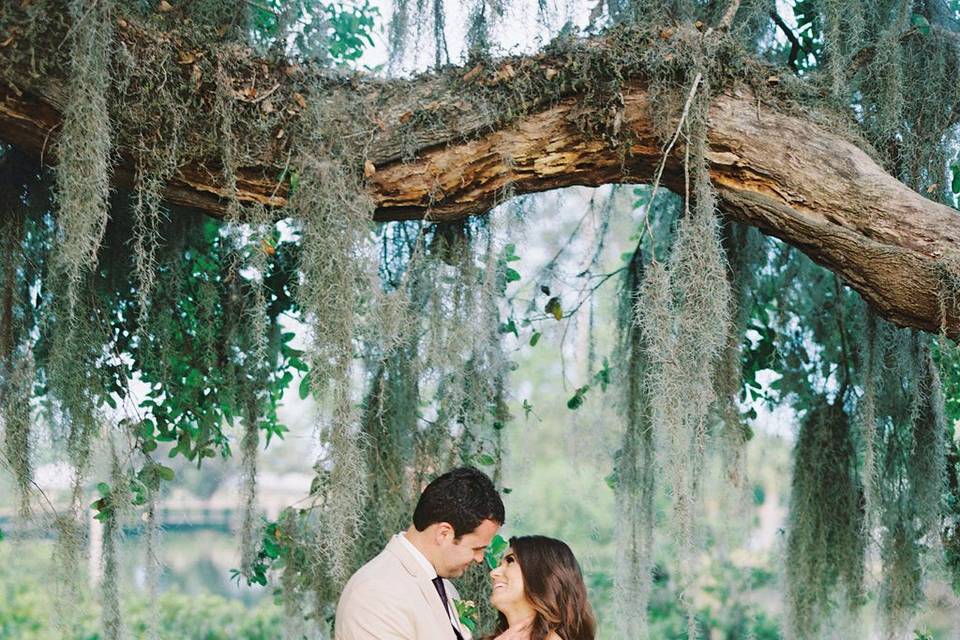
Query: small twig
point(46, 139)
point(841, 326)
point(9, 465)
point(795, 46)
point(77, 23)
point(283, 174)
point(264, 7)
point(673, 141)
point(583, 298)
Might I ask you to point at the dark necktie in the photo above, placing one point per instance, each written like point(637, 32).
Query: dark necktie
point(442, 592)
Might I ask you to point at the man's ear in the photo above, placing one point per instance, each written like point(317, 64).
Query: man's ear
point(444, 533)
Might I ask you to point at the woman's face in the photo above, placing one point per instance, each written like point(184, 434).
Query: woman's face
point(507, 583)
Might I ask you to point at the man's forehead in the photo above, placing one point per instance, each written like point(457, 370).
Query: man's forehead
point(483, 534)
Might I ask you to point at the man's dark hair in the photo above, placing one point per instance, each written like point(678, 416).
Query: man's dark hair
point(463, 497)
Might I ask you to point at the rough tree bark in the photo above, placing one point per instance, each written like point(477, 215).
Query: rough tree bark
point(787, 175)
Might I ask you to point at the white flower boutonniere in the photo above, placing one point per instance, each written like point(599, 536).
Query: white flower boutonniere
point(467, 614)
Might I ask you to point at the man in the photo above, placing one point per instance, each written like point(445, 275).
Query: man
point(403, 593)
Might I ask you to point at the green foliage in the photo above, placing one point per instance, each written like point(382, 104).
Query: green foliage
point(337, 32)
point(495, 551)
point(191, 309)
point(26, 609)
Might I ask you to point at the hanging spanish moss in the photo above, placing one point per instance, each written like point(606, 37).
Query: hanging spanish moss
point(410, 21)
point(83, 173)
point(843, 37)
point(635, 469)
point(912, 472)
point(343, 468)
point(868, 421)
point(249, 517)
point(69, 575)
point(115, 506)
point(336, 216)
point(16, 392)
point(928, 457)
point(74, 373)
point(744, 252)
point(901, 589)
point(911, 44)
point(390, 422)
point(825, 537)
point(151, 556)
point(684, 313)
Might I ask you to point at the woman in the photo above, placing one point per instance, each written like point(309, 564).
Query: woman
point(538, 589)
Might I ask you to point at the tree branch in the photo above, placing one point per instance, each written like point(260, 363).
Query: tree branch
point(773, 168)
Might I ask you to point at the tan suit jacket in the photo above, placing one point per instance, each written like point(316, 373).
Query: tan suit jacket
point(392, 598)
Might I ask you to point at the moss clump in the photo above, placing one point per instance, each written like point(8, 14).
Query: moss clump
point(684, 313)
point(16, 401)
point(825, 537)
point(85, 145)
point(635, 469)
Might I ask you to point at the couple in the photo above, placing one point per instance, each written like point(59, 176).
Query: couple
point(403, 594)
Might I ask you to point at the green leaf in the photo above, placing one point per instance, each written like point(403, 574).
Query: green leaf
point(955, 183)
point(535, 338)
point(103, 488)
point(545, 289)
point(165, 472)
point(512, 275)
point(104, 515)
point(509, 327)
point(148, 446)
point(495, 550)
point(486, 460)
point(579, 396)
point(304, 389)
point(553, 308)
point(921, 23)
point(611, 481)
point(603, 375)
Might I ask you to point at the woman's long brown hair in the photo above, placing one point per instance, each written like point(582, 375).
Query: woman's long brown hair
point(553, 583)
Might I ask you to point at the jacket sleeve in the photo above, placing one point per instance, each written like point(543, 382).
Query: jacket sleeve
point(370, 614)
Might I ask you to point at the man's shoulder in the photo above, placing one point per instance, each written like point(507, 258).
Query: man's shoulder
point(379, 574)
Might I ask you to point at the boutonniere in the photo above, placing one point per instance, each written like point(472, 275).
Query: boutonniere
point(467, 614)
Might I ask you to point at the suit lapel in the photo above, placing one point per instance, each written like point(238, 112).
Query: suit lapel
point(429, 593)
point(427, 590)
point(452, 596)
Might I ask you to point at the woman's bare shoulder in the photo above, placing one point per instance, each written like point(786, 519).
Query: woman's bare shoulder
point(553, 636)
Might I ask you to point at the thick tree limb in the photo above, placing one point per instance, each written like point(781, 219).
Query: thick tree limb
point(785, 174)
